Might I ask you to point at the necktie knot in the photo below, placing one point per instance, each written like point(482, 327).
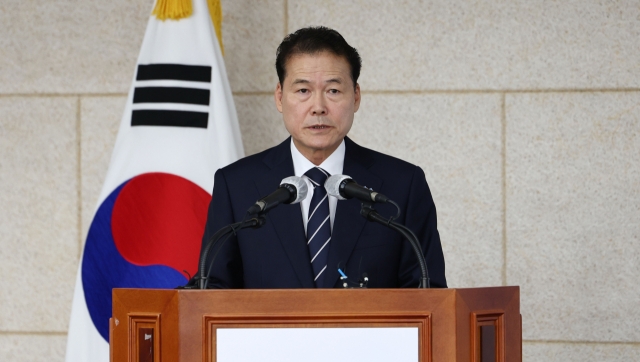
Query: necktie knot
point(317, 176)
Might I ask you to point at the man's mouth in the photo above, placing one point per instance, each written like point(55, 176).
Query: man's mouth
point(319, 126)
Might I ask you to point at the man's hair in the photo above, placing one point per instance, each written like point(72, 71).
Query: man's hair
point(313, 40)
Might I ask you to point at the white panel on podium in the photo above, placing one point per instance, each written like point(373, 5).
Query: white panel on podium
point(317, 344)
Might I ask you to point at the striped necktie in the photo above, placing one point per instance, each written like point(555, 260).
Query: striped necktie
point(318, 224)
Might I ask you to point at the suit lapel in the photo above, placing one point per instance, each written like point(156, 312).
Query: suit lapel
point(287, 219)
point(348, 223)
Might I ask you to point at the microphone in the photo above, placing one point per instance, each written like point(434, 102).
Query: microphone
point(292, 190)
point(344, 187)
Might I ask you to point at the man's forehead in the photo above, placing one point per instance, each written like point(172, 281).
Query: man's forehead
point(304, 67)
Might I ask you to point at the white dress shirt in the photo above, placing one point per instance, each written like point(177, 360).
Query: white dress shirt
point(333, 165)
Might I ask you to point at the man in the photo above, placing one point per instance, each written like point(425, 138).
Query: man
point(303, 246)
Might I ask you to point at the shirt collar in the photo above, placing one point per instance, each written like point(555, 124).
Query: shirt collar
point(333, 164)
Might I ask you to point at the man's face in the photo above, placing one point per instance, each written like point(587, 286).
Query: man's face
point(317, 100)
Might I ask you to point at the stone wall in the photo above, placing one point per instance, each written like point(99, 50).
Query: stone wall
point(524, 115)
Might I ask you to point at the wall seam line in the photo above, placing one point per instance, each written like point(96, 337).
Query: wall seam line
point(501, 91)
point(79, 173)
point(503, 141)
point(68, 95)
point(286, 18)
point(382, 92)
point(465, 91)
point(541, 341)
point(31, 333)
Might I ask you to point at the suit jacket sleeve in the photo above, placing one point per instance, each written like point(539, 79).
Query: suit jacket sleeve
point(420, 217)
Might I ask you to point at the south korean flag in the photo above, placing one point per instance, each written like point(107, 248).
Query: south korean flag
point(179, 126)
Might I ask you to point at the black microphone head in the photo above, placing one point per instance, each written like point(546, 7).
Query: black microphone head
point(299, 184)
point(332, 185)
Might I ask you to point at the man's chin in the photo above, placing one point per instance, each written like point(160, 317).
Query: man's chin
point(316, 145)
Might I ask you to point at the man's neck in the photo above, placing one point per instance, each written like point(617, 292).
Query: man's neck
point(317, 157)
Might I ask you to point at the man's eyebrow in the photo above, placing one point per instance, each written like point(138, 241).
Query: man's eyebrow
point(334, 80)
point(306, 81)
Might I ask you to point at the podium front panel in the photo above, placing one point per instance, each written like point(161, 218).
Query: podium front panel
point(394, 325)
point(317, 344)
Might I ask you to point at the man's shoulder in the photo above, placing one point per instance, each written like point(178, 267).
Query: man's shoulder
point(379, 162)
point(247, 162)
point(258, 162)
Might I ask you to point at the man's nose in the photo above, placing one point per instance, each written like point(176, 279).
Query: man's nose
point(319, 106)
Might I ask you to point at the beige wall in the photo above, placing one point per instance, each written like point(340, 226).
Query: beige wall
point(525, 116)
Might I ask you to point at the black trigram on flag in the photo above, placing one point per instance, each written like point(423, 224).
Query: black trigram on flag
point(170, 103)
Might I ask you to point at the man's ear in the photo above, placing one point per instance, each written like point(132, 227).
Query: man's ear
point(277, 96)
point(357, 98)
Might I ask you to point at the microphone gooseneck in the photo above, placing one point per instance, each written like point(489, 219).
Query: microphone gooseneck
point(372, 215)
point(255, 222)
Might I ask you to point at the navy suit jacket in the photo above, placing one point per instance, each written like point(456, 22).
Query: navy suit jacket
point(276, 255)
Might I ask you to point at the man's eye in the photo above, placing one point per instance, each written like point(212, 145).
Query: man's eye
point(334, 91)
point(303, 91)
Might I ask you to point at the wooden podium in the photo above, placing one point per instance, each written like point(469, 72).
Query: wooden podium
point(476, 324)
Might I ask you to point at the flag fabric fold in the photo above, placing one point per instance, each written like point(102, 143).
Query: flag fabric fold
point(179, 126)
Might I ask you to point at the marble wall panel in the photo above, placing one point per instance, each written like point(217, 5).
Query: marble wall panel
point(487, 44)
point(29, 348)
point(91, 47)
point(261, 124)
point(70, 46)
point(573, 205)
point(578, 352)
point(251, 31)
point(456, 139)
point(100, 121)
point(39, 217)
